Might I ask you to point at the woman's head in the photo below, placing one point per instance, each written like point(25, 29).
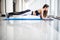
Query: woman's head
point(46, 5)
point(45, 8)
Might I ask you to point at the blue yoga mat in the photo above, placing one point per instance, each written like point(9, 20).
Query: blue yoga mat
point(25, 19)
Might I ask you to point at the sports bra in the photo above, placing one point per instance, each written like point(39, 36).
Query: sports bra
point(37, 13)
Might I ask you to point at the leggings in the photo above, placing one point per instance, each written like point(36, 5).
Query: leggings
point(17, 13)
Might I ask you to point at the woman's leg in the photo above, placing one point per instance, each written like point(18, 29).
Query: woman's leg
point(17, 13)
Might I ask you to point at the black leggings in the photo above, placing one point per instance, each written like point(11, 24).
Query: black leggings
point(17, 13)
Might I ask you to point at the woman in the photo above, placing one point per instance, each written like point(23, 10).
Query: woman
point(42, 12)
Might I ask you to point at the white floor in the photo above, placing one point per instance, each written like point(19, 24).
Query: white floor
point(28, 30)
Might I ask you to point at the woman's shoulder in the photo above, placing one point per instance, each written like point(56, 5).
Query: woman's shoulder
point(40, 10)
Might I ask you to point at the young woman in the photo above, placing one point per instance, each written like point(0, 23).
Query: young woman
point(42, 12)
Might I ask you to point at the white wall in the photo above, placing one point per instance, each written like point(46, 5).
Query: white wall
point(3, 6)
point(9, 6)
point(19, 5)
point(58, 14)
point(36, 4)
point(54, 7)
point(6, 6)
point(58, 5)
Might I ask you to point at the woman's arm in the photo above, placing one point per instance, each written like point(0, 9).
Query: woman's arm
point(34, 13)
point(41, 14)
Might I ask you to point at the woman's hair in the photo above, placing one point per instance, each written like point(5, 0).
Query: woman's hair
point(46, 5)
point(45, 13)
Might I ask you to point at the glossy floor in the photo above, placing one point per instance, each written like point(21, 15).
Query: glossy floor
point(29, 30)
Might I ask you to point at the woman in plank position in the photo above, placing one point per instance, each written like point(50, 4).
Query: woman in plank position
point(41, 12)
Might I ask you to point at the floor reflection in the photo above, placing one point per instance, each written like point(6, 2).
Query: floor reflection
point(27, 30)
